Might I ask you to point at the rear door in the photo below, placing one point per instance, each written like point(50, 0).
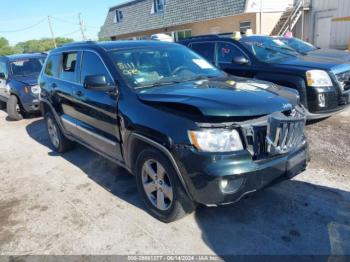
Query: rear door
point(96, 111)
point(62, 76)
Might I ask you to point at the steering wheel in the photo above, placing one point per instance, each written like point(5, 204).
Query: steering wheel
point(180, 68)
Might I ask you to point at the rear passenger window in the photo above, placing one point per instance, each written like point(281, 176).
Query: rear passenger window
point(69, 66)
point(207, 50)
point(53, 65)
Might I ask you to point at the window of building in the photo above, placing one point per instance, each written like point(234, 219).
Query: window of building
point(69, 64)
point(92, 65)
point(180, 35)
point(118, 16)
point(159, 5)
point(206, 50)
point(244, 26)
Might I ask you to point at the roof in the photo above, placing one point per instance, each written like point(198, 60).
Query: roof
point(112, 45)
point(25, 56)
point(137, 15)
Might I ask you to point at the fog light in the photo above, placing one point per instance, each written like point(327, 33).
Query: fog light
point(224, 183)
point(321, 100)
point(230, 186)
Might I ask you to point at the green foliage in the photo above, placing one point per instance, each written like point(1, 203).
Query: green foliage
point(41, 45)
point(31, 46)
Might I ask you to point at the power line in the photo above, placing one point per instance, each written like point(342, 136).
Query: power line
point(25, 28)
point(51, 31)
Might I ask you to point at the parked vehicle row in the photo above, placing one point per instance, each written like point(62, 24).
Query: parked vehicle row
point(192, 129)
point(322, 82)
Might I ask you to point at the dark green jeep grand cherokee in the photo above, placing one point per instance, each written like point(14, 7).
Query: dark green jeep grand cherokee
point(190, 133)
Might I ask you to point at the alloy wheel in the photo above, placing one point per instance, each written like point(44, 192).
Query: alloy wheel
point(157, 185)
point(53, 134)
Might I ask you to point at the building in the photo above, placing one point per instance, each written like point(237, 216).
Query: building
point(324, 23)
point(139, 19)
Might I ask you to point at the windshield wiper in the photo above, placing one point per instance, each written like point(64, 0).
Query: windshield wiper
point(159, 83)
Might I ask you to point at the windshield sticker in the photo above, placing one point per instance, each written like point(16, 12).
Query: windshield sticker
point(20, 62)
point(278, 42)
point(128, 69)
point(202, 64)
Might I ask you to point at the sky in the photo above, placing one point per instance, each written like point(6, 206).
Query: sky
point(17, 15)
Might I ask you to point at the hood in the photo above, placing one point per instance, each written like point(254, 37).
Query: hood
point(230, 97)
point(27, 80)
point(312, 62)
point(331, 53)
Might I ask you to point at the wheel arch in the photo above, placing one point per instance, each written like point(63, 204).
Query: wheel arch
point(138, 142)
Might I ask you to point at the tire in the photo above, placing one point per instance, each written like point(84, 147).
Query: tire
point(166, 186)
point(14, 109)
point(59, 142)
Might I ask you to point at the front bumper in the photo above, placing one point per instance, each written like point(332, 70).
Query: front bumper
point(203, 173)
point(334, 102)
point(31, 105)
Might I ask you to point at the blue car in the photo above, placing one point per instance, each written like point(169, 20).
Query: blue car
point(19, 89)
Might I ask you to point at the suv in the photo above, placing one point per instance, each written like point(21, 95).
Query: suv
point(188, 132)
point(323, 83)
point(19, 89)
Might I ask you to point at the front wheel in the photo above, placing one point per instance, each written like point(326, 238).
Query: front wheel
point(59, 142)
point(160, 187)
point(14, 109)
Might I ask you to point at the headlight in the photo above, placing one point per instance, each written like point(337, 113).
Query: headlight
point(35, 90)
point(216, 140)
point(318, 78)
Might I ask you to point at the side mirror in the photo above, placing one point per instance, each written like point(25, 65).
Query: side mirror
point(2, 76)
point(98, 83)
point(240, 60)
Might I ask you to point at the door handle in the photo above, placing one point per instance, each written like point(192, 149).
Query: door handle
point(79, 93)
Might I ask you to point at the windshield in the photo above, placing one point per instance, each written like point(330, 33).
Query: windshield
point(153, 66)
point(24, 67)
point(298, 45)
point(269, 49)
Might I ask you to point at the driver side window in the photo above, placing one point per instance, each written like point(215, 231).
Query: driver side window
point(227, 52)
point(92, 65)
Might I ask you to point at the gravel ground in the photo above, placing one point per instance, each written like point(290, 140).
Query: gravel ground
point(80, 203)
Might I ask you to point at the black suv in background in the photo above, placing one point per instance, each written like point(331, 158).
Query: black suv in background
point(323, 84)
point(19, 89)
point(188, 132)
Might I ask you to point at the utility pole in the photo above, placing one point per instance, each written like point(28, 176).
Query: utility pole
point(52, 35)
point(81, 27)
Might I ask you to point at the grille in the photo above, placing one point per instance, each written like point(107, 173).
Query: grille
point(344, 80)
point(284, 135)
point(279, 135)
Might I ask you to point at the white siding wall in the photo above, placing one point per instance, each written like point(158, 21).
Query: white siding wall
point(340, 31)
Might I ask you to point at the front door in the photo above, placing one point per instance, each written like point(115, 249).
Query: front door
point(96, 111)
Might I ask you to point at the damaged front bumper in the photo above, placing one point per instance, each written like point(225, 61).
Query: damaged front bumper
point(221, 178)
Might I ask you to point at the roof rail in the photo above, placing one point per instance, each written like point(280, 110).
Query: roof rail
point(79, 43)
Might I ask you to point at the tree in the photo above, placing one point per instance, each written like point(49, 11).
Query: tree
point(41, 45)
point(5, 48)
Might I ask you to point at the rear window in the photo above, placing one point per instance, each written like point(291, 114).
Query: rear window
point(53, 65)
